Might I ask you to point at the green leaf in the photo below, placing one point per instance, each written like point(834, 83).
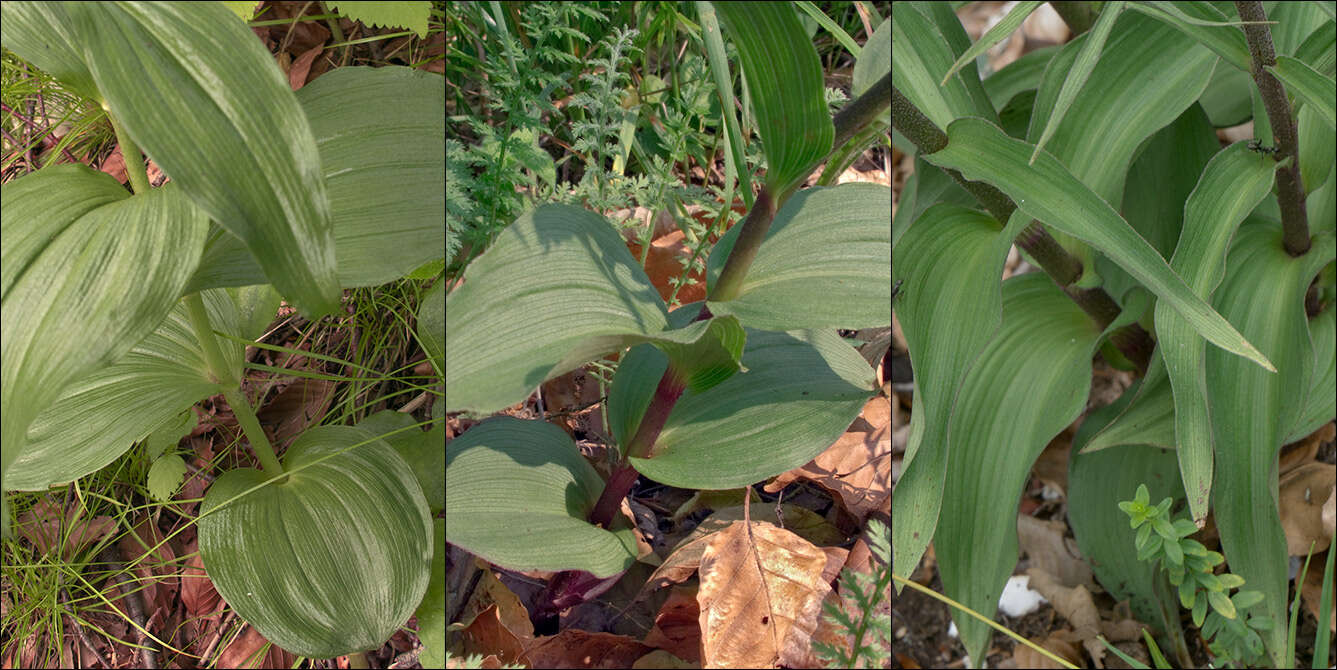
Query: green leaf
point(1172, 551)
point(1264, 294)
point(81, 257)
point(572, 292)
point(246, 154)
point(1192, 548)
point(950, 261)
point(1048, 192)
point(872, 64)
point(1165, 530)
point(432, 612)
point(403, 14)
point(823, 242)
point(169, 433)
point(801, 391)
point(43, 34)
point(332, 560)
point(544, 529)
point(1221, 604)
point(1077, 76)
point(1233, 581)
point(1044, 345)
point(1188, 591)
point(784, 77)
point(1184, 528)
point(1210, 582)
point(1143, 535)
point(1199, 610)
point(1151, 549)
point(432, 325)
point(165, 477)
point(1309, 85)
point(1234, 182)
point(421, 450)
point(386, 211)
point(1244, 599)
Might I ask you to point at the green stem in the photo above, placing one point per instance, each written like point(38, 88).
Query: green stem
point(134, 161)
point(219, 372)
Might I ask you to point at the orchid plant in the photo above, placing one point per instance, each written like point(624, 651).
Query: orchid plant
point(122, 310)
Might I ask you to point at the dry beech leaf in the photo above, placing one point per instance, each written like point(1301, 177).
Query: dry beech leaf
point(249, 651)
point(1048, 549)
point(761, 594)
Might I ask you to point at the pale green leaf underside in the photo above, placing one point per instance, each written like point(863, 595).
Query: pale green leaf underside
point(825, 263)
point(330, 562)
point(1048, 192)
point(517, 494)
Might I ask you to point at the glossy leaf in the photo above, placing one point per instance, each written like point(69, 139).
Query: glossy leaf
point(824, 242)
point(784, 77)
point(201, 96)
point(517, 494)
point(333, 559)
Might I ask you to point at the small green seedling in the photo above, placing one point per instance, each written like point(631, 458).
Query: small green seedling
point(1189, 566)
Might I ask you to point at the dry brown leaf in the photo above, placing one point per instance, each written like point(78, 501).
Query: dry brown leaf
point(1301, 494)
point(297, 74)
point(248, 651)
point(1057, 643)
point(760, 596)
point(1075, 605)
point(1048, 549)
point(197, 592)
point(47, 527)
point(574, 648)
point(857, 467)
point(488, 634)
point(677, 626)
point(1312, 589)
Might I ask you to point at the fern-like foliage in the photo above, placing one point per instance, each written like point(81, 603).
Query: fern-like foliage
point(871, 631)
point(598, 137)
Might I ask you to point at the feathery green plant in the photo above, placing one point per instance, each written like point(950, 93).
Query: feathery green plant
point(871, 647)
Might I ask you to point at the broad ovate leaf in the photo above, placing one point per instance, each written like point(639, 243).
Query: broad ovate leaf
point(432, 325)
point(384, 168)
point(83, 258)
point(331, 559)
point(201, 96)
point(100, 416)
point(800, 391)
point(518, 494)
point(825, 263)
point(558, 289)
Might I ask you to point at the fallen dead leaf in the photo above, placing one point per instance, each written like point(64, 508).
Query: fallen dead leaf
point(760, 596)
point(1301, 494)
point(574, 648)
point(857, 467)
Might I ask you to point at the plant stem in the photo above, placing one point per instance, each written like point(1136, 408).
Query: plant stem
point(219, 372)
point(755, 227)
point(134, 161)
point(1290, 189)
point(666, 396)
